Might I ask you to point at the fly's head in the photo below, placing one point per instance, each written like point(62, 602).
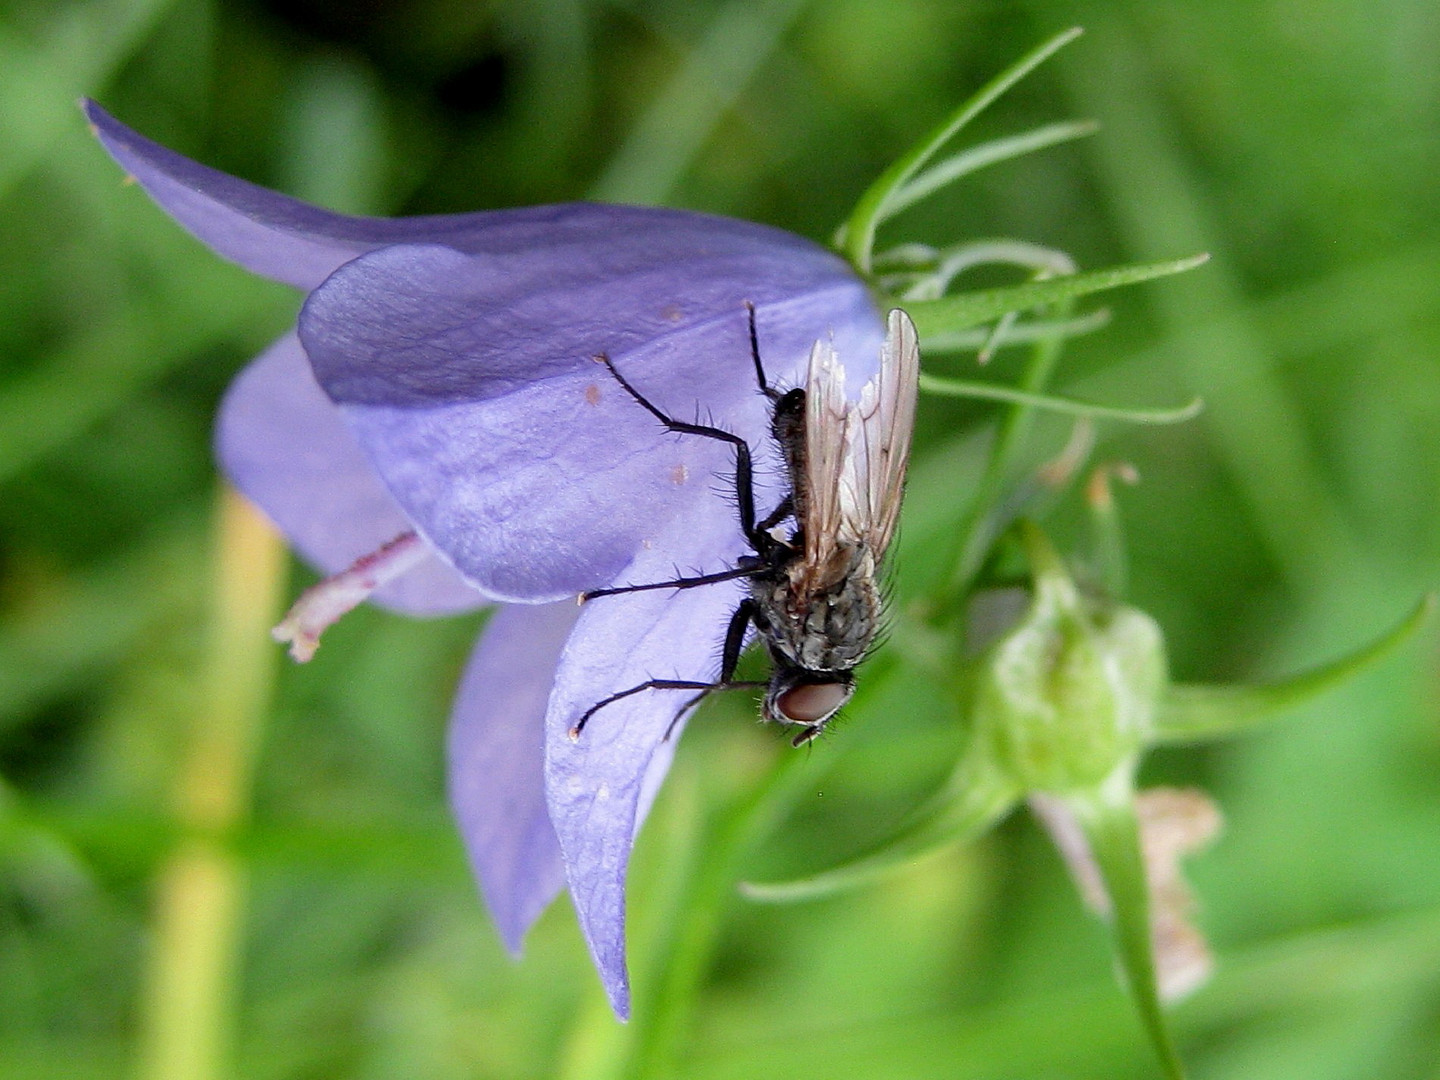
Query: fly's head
point(807, 699)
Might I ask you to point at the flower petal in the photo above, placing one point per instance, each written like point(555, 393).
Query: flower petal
point(267, 233)
point(470, 382)
point(496, 752)
point(424, 324)
point(291, 241)
point(543, 289)
point(600, 785)
point(285, 445)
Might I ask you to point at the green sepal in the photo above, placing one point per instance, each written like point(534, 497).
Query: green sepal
point(1190, 712)
point(963, 310)
point(1106, 815)
point(1110, 562)
point(1021, 333)
point(871, 209)
point(972, 799)
point(962, 388)
point(962, 164)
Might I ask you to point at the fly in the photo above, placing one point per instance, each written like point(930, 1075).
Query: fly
point(814, 597)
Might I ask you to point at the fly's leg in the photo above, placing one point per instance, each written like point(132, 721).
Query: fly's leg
point(658, 684)
point(729, 660)
point(756, 534)
point(747, 568)
point(744, 469)
point(765, 387)
point(735, 638)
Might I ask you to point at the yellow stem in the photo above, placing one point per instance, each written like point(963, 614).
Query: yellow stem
point(187, 1022)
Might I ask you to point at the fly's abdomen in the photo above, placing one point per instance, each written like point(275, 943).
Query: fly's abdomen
point(840, 626)
point(829, 630)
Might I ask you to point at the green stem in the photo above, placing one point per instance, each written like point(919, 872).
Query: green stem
point(187, 1021)
point(1023, 333)
point(1113, 831)
point(979, 157)
point(951, 312)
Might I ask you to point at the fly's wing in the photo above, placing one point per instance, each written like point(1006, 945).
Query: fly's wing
point(856, 453)
point(886, 419)
point(827, 460)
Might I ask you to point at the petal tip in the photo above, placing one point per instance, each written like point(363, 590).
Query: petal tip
point(619, 997)
point(513, 938)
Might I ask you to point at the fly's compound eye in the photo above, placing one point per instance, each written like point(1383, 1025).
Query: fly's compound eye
point(811, 703)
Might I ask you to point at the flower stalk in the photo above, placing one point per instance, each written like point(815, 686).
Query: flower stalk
point(188, 1016)
point(1107, 816)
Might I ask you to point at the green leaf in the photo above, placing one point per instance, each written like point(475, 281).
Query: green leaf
point(951, 313)
point(1192, 712)
point(972, 799)
point(978, 157)
point(1107, 817)
point(974, 159)
point(1022, 333)
point(871, 209)
point(914, 273)
point(990, 392)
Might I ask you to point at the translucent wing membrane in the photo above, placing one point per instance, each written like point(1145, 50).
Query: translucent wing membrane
point(886, 425)
point(827, 463)
point(856, 452)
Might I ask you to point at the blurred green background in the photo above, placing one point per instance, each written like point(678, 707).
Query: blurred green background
point(1297, 142)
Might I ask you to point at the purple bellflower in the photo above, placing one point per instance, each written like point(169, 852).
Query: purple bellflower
point(436, 431)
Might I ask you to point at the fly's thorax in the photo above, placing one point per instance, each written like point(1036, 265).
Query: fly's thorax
point(819, 629)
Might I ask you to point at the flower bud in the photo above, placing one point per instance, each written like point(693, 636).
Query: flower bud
point(1069, 693)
